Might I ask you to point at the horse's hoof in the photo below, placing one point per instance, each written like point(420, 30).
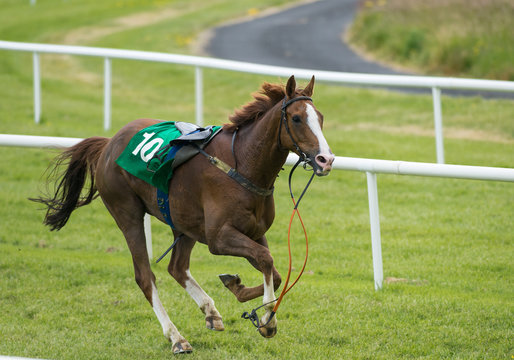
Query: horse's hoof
point(229, 280)
point(214, 323)
point(182, 347)
point(268, 332)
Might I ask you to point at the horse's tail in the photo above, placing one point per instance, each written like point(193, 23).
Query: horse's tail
point(81, 161)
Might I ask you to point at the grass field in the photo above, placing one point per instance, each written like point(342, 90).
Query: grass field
point(468, 38)
point(71, 294)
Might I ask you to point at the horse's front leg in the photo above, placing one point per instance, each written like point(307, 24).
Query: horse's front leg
point(232, 242)
point(268, 327)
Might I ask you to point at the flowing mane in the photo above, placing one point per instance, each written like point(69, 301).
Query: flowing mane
point(265, 99)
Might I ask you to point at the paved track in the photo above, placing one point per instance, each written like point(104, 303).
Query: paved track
point(308, 36)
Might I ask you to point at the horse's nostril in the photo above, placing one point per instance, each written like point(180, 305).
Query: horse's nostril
point(321, 159)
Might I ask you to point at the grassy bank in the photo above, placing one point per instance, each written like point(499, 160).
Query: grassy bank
point(447, 244)
point(445, 37)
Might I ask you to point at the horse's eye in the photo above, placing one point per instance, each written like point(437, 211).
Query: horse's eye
point(297, 119)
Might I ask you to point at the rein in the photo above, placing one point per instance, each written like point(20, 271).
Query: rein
point(247, 184)
point(252, 316)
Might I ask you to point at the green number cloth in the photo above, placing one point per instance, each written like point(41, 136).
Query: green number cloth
point(151, 152)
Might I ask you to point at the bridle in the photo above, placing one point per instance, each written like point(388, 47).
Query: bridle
point(283, 120)
point(246, 183)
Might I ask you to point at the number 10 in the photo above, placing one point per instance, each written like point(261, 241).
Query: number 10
point(148, 150)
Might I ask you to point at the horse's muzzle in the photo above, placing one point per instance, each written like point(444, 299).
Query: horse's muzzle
point(322, 164)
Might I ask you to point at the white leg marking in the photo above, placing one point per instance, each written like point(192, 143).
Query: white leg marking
point(169, 330)
point(269, 292)
point(195, 291)
point(313, 122)
point(204, 301)
point(269, 295)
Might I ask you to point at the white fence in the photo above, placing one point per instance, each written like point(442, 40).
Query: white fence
point(434, 83)
point(370, 166)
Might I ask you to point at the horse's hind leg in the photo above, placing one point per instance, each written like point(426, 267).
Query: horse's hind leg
point(128, 213)
point(179, 269)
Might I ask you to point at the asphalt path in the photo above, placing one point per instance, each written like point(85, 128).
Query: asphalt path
point(308, 36)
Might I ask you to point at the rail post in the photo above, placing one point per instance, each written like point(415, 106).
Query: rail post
point(199, 95)
point(438, 124)
point(37, 88)
point(376, 247)
point(107, 94)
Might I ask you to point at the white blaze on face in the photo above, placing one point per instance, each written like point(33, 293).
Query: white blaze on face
point(313, 122)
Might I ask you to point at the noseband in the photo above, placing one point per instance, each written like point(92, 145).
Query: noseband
point(283, 119)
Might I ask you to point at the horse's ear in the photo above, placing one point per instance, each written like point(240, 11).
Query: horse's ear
point(309, 88)
point(291, 87)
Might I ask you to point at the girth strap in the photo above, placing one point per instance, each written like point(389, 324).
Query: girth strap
point(163, 201)
point(231, 172)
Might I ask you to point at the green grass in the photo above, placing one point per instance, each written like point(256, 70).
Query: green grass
point(71, 294)
point(453, 38)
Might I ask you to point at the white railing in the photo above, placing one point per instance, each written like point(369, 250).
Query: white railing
point(370, 166)
point(434, 83)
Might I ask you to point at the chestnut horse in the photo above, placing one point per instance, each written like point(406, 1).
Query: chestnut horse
point(207, 206)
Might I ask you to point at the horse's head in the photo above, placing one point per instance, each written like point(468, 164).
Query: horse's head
point(303, 123)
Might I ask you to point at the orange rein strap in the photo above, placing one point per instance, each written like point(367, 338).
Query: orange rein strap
point(252, 316)
point(286, 289)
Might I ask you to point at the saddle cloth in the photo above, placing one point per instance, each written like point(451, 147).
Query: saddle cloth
point(154, 152)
